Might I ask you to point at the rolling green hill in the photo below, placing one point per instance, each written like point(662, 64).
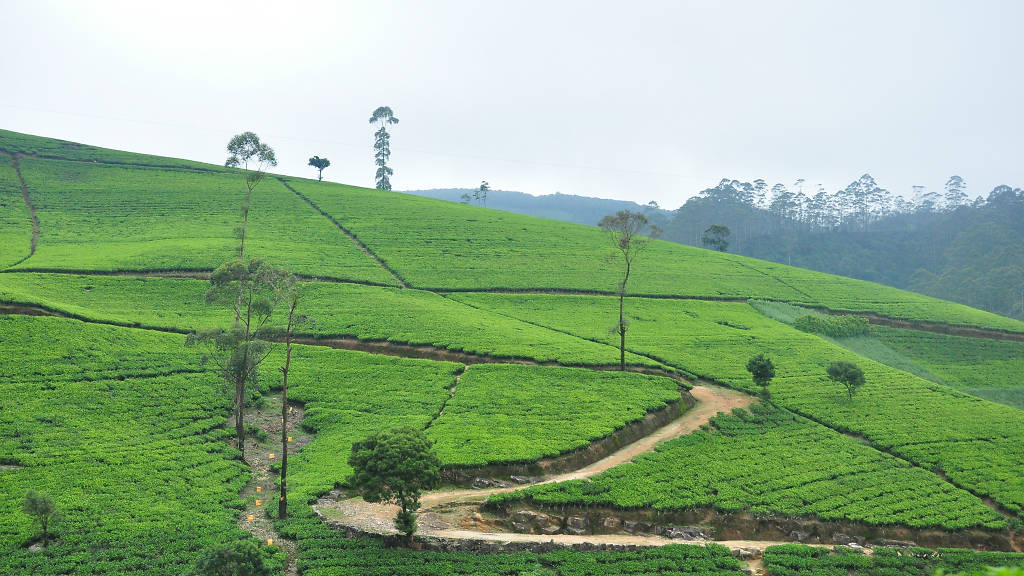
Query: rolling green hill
point(508, 318)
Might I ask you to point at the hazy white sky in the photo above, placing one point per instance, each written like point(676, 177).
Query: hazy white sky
point(633, 100)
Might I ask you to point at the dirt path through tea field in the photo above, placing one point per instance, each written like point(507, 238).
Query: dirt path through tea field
point(444, 513)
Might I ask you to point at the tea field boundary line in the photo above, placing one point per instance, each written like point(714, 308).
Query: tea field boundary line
point(369, 346)
point(118, 163)
point(773, 277)
point(355, 239)
point(451, 394)
point(180, 273)
point(962, 330)
point(31, 210)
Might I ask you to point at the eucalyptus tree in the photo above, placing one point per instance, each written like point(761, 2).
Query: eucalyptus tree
point(625, 230)
point(383, 117)
point(253, 290)
point(319, 163)
point(292, 298)
point(955, 192)
point(253, 157)
point(480, 194)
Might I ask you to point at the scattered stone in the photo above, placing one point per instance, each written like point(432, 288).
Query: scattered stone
point(746, 553)
point(525, 479)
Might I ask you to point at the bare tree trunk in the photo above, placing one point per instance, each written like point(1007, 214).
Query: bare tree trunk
point(282, 504)
point(622, 333)
point(239, 413)
point(622, 318)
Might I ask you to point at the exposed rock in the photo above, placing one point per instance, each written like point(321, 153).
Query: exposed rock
point(845, 540)
point(549, 524)
point(612, 523)
point(481, 483)
point(576, 525)
point(525, 479)
point(746, 553)
point(896, 543)
point(681, 532)
point(799, 535)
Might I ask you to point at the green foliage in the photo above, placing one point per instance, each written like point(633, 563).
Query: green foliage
point(319, 163)
point(517, 414)
point(252, 156)
point(716, 237)
point(243, 558)
point(383, 117)
point(761, 369)
point(396, 466)
point(845, 326)
point(797, 560)
point(802, 469)
point(846, 373)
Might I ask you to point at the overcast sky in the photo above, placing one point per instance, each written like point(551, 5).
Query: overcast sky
point(631, 100)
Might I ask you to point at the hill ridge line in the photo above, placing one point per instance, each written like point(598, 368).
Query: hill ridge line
point(359, 243)
point(117, 163)
point(31, 210)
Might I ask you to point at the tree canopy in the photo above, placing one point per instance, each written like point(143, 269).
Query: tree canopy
point(848, 374)
point(396, 466)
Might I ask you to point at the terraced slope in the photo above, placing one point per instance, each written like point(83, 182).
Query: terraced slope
point(110, 217)
point(461, 247)
point(340, 310)
point(132, 449)
point(87, 409)
point(976, 444)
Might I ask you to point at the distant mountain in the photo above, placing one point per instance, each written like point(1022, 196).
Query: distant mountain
point(567, 207)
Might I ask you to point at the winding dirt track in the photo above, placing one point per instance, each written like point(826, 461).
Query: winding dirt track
point(436, 507)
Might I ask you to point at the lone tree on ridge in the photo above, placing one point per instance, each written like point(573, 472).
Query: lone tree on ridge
point(762, 370)
point(625, 229)
point(396, 466)
point(319, 163)
point(848, 374)
point(253, 157)
point(383, 117)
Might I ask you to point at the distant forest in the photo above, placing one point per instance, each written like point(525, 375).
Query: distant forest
point(944, 245)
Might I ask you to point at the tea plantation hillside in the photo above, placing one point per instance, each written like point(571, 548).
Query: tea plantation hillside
point(494, 334)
